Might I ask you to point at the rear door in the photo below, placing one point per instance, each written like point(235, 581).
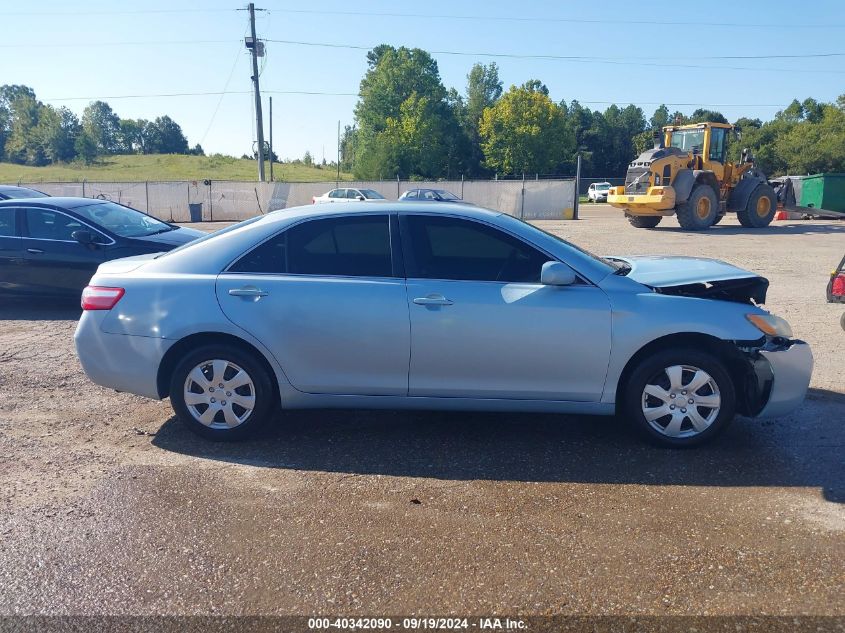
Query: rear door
point(55, 263)
point(327, 297)
point(11, 251)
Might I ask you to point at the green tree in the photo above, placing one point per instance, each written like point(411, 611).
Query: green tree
point(525, 132)
point(400, 86)
point(164, 136)
point(86, 148)
point(56, 133)
point(102, 126)
point(483, 89)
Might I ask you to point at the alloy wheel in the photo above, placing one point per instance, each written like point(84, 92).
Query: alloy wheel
point(681, 401)
point(219, 394)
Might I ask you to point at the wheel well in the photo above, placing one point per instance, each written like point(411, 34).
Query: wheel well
point(708, 178)
point(185, 345)
point(736, 365)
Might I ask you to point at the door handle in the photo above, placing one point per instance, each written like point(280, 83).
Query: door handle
point(433, 300)
point(35, 251)
point(248, 291)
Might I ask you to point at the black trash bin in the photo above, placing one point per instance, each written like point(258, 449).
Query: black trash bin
point(195, 209)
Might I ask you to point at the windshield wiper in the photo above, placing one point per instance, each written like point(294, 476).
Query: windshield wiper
point(164, 230)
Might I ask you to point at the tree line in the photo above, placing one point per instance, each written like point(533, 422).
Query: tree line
point(408, 124)
point(35, 133)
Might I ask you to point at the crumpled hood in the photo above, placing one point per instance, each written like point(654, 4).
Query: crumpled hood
point(697, 277)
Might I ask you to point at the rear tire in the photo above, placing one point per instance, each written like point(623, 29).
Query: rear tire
point(760, 210)
point(644, 221)
point(700, 210)
point(657, 397)
point(222, 393)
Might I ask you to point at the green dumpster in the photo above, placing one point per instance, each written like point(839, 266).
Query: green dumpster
point(823, 191)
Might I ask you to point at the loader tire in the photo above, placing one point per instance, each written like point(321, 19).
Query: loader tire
point(644, 221)
point(760, 210)
point(700, 210)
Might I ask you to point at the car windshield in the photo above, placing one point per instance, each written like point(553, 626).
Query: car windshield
point(121, 220)
point(371, 195)
point(602, 187)
point(446, 195)
point(22, 193)
point(687, 139)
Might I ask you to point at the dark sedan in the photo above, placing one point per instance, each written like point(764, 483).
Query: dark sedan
point(52, 246)
point(430, 195)
point(11, 192)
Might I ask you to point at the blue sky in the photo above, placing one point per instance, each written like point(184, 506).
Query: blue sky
point(102, 49)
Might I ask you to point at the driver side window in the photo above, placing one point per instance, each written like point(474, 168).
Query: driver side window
point(440, 247)
point(44, 224)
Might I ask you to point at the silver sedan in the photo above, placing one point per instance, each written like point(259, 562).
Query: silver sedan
point(453, 307)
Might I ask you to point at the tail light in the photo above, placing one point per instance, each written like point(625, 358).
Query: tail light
point(101, 297)
point(837, 289)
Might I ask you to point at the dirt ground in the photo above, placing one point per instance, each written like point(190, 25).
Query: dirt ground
point(107, 505)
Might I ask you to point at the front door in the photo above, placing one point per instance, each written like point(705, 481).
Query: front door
point(325, 299)
point(11, 252)
point(55, 262)
point(483, 326)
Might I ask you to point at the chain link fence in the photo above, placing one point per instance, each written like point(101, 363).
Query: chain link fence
point(216, 200)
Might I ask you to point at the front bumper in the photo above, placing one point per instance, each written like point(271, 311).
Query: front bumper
point(653, 202)
point(790, 368)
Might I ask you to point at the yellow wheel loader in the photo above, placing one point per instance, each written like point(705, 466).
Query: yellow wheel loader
point(686, 174)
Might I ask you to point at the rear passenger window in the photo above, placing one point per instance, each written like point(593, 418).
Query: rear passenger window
point(7, 223)
point(351, 246)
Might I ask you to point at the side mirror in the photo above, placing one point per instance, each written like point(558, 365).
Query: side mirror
point(557, 274)
point(361, 198)
point(84, 237)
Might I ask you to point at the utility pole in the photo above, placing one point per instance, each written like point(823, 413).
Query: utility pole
point(254, 47)
point(338, 151)
point(271, 139)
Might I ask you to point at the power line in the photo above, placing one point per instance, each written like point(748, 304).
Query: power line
point(222, 94)
point(135, 43)
point(355, 94)
point(493, 18)
point(47, 14)
point(574, 58)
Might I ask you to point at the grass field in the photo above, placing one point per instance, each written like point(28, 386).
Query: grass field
point(136, 167)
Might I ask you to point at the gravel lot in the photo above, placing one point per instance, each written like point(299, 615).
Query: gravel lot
point(109, 506)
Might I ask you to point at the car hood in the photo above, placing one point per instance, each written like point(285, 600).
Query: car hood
point(697, 277)
point(170, 239)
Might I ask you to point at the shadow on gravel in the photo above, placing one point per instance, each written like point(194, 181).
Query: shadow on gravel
point(771, 230)
point(802, 451)
point(38, 309)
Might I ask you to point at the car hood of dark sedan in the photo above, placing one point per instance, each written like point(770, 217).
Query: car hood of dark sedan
point(176, 237)
point(696, 277)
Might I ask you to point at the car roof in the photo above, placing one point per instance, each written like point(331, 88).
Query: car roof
point(356, 207)
point(61, 202)
point(13, 188)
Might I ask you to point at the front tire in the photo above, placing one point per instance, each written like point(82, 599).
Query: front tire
point(222, 393)
point(760, 210)
point(644, 221)
point(680, 398)
point(700, 210)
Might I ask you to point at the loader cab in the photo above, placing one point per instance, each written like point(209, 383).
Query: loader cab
point(707, 140)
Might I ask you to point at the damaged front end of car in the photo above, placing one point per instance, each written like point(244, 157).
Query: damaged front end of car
point(772, 373)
